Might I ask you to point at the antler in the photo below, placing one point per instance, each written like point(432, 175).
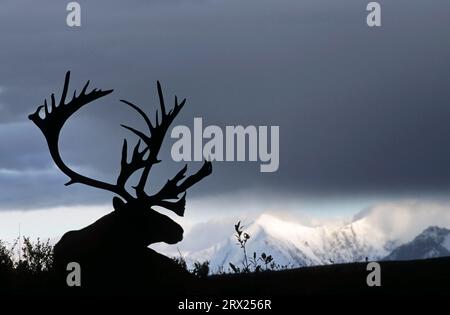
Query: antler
point(154, 141)
point(54, 119)
point(172, 189)
point(52, 123)
point(157, 133)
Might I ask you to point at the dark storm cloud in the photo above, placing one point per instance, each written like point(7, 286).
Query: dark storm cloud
point(359, 109)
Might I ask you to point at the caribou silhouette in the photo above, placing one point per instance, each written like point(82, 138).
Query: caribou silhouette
point(113, 251)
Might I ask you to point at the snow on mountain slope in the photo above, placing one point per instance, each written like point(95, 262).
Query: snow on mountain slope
point(431, 243)
point(294, 245)
point(374, 233)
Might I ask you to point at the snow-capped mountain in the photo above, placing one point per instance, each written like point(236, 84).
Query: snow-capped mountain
point(292, 244)
point(431, 243)
point(374, 232)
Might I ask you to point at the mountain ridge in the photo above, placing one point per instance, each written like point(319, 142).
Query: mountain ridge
point(296, 245)
point(433, 242)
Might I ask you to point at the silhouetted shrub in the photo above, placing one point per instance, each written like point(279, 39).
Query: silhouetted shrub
point(26, 268)
point(251, 264)
point(6, 258)
point(31, 257)
point(242, 239)
point(201, 270)
point(181, 261)
point(36, 257)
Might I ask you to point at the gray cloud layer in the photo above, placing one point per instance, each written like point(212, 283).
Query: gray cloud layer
point(360, 110)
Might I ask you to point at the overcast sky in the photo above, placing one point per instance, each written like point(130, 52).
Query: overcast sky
point(362, 111)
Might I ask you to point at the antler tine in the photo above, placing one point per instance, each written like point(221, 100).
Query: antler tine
point(53, 102)
point(172, 189)
point(65, 89)
point(141, 112)
point(176, 207)
point(140, 134)
point(161, 100)
point(204, 171)
point(137, 162)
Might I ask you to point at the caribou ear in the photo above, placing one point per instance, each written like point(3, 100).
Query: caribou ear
point(118, 204)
